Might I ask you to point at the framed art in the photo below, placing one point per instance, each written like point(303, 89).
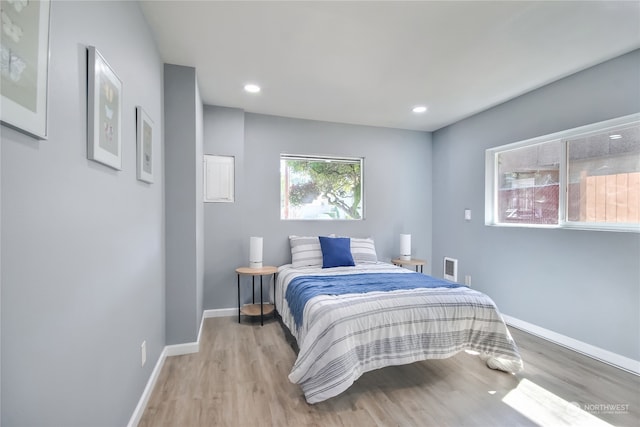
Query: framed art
point(104, 112)
point(144, 142)
point(24, 64)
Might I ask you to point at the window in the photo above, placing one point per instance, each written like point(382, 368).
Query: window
point(586, 178)
point(324, 188)
point(528, 188)
point(604, 177)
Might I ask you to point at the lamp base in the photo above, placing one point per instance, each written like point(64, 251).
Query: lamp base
point(405, 257)
point(255, 264)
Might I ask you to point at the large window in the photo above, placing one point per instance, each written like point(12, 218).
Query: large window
point(587, 178)
point(322, 188)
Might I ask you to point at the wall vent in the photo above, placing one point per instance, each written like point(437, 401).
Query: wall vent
point(450, 269)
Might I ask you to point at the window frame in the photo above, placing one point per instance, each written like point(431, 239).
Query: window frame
point(322, 157)
point(492, 179)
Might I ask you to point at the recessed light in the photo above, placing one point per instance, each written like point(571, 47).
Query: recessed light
point(252, 88)
point(419, 109)
point(616, 136)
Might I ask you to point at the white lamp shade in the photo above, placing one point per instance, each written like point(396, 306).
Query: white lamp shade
point(405, 247)
point(255, 252)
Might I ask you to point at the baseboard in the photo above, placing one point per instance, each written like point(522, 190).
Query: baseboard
point(221, 312)
point(173, 350)
point(146, 393)
point(606, 356)
point(180, 349)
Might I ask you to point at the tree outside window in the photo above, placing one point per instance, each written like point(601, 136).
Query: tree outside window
point(320, 188)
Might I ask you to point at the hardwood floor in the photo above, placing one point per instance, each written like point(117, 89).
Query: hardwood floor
point(239, 378)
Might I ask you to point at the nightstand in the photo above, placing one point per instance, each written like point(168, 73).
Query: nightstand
point(262, 309)
point(417, 262)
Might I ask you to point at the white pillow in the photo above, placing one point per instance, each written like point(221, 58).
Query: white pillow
point(305, 251)
point(363, 251)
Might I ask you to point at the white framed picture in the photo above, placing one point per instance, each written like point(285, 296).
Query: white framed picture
point(144, 146)
point(24, 66)
point(104, 112)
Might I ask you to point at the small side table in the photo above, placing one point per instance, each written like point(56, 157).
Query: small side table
point(256, 309)
point(417, 262)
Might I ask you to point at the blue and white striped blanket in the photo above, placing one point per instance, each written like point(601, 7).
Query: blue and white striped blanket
point(340, 337)
point(303, 288)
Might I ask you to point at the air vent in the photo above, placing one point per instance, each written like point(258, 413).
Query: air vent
point(450, 269)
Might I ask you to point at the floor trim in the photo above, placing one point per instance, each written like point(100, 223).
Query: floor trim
point(173, 350)
point(606, 356)
point(146, 394)
point(221, 312)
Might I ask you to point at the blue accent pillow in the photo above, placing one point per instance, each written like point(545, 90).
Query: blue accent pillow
point(336, 252)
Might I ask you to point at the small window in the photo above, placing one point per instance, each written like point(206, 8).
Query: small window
point(586, 178)
point(320, 188)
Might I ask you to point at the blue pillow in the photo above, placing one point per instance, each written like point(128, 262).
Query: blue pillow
point(336, 252)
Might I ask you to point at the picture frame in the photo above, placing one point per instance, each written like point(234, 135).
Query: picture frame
point(144, 146)
point(104, 111)
point(24, 61)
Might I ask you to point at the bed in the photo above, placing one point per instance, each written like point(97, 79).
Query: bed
point(348, 320)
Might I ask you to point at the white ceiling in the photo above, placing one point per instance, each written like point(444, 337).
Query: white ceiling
point(370, 62)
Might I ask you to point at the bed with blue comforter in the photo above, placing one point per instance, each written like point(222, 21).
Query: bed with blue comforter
point(351, 320)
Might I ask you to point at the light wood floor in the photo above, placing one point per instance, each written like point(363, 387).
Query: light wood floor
point(239, 378)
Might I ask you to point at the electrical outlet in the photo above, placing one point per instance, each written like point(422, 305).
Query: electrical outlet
point(467, 280)
point(143, 352)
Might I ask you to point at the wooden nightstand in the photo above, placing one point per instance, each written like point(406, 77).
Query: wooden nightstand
point(417, 262)
point(254, 309)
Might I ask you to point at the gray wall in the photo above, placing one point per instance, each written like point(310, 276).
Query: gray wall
point(183, 203)
point(82, 244)
point(582, 284)
point(397, 190)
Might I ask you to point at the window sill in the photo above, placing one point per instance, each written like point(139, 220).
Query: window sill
point(626, 228)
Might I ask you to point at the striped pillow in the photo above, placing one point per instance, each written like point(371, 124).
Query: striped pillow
point(363, 251)
point(305, 251)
